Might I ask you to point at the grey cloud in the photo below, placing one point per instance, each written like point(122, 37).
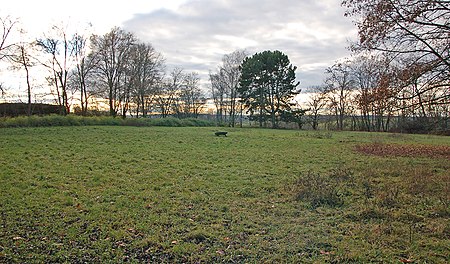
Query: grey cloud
point(196, 36)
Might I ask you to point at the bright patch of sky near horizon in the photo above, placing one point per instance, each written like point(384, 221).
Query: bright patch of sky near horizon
point(38, 16)
point(195, 34)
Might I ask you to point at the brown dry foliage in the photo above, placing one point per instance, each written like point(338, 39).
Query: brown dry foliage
point(385, 150)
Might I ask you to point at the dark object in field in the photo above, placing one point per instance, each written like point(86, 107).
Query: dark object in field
point(221, 133)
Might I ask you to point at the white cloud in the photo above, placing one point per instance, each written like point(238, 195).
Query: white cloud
point(235, 41)
point(195, 34)
point(38, 16)
point(312, 33)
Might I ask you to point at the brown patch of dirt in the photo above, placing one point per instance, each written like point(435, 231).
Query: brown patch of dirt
point(385, 150)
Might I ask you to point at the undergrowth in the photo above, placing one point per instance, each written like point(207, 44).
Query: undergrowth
point(74, 120)
point(323, 189)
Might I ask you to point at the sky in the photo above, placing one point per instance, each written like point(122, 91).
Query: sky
point(195, 34)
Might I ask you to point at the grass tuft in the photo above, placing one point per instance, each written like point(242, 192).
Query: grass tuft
point(318, 189)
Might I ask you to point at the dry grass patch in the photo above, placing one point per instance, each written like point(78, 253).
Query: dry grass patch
point(385, 150)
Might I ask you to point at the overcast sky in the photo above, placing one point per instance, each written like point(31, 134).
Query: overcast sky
point(195, 34)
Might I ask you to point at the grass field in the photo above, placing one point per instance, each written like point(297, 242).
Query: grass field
point(156, 194)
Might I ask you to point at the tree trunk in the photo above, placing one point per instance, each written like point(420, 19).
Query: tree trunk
point(28, 90)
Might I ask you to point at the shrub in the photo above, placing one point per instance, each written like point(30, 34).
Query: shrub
point(109, 121)
point(74, 120)
point(320, 134)
point(135, 122)
point(169, 122)
point(17, 109)
point(416, 126)
point(187, 122)
point(318, 190)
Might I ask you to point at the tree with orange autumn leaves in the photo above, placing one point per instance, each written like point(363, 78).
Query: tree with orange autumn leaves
point(414, 38)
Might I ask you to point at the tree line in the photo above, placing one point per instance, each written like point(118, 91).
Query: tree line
point(116, 66)
point(263, 85)
point(396, 78)
point(131, 75)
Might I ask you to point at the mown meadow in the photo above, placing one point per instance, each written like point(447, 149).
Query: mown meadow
point(99, 194)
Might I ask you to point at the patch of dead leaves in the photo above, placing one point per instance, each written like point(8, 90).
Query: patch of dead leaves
point(386, 150)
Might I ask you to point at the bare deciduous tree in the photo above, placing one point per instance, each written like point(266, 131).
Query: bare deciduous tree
point(146, 68)
point(83, 72)
point(168, 92)
point(224, 85)
point(316, 104)
point(191, 97)
point(7, 25)
point(416, 33)
point(57, 49)
point(339, 84)
point(374, 81)
point(218, 95)
point(22, 59)
point(404, 27)
point(113, 52)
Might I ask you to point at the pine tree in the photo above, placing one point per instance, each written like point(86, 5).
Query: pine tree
point(267, 86)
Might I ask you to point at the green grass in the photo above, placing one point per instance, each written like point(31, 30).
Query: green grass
point(157, 194)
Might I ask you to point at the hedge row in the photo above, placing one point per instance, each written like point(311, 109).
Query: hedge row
point(18, 109)
point(72, 120)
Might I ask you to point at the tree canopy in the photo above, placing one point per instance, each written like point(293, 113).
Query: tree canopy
point(267, 86)
point(414, 32)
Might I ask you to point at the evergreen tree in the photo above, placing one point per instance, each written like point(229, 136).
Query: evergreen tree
point(267, 86)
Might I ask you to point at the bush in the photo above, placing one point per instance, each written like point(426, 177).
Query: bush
point(318, 190)
point(169, 122)
point(201, 123)
point(423, 125)
point(74, 120)
point(18, 109)
point(135, 122)
point(320, 134)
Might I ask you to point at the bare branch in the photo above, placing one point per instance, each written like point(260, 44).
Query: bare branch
point(7, 25)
